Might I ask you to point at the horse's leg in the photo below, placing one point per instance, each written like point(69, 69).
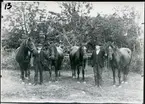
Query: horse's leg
point(83, 70)
point(56, 72)
point(119, 76)
point(36, 74)
point(113, 70)
point(59, 73)
point(50, 71)
point(83, 73)
point(125, 73)
point(28, 74)
point(78, 72)
point(60, 66)
point(22, 72)
point(73, 71)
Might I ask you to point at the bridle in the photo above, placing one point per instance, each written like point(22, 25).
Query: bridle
point(30, 49)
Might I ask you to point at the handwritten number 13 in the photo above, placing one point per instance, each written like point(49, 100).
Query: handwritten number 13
point(8, 6)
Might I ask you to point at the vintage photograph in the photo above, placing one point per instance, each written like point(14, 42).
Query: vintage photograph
point(66, 52)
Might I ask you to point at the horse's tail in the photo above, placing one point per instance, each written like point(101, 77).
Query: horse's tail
point(130, 58)
point(16, 52)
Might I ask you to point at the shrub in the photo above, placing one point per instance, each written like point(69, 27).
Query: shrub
point(8, 59)
point(136, 63)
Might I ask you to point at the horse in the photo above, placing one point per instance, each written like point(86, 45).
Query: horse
point(23, 56)
point(78, 58)
point(56, 59)
point(119, 58)
point(42, 62)
point(98, 60)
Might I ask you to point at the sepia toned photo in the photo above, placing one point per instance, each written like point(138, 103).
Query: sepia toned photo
point(66, 52)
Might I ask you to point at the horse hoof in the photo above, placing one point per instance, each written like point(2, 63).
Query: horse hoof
point(126, 82)
point(84, 82)
point(30, 83)
point(119, 86)
point(27, 78)
point(78, 82)
point(100, 87)
point(40, 83)
point(122, 82)
point(114, 85)
point(23, 82)
point(83, 92)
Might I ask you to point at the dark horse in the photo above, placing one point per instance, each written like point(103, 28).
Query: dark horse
point(56, 59)
point(42, 62)
point(78, 58)
point(23, 57)
point(119, 58)
point(98, 59)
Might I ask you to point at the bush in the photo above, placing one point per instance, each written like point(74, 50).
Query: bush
point(8, 59)
point(66, 63)
point(136, 63)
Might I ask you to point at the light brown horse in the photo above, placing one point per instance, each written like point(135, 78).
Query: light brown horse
point(118, 58)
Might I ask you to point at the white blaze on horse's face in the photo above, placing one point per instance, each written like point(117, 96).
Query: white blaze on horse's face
point(60, 50)
point(29, 53)
point(39, 49)
point(85, 49)
point(110, 52)
point(97, 49)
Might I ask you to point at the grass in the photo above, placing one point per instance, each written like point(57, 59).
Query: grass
point(67, 89)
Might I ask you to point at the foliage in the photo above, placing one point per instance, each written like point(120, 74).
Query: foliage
point(72, 26)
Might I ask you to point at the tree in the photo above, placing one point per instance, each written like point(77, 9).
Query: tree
point(75, 15)
point(21, 21)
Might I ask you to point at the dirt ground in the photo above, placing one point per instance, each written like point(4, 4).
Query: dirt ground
point(68, 90)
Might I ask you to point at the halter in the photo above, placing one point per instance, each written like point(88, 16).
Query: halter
point(31, 50)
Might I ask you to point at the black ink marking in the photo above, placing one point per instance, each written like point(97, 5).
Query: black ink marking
point(8, 6)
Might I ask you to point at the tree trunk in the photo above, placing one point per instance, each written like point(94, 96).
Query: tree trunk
point(24, 21)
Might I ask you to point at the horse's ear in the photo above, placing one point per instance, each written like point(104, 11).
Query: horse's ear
point(112, 43)
point(29, 39)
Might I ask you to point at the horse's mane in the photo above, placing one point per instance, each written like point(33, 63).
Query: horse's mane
point(53, 47)
point(80, 48)
point(92, 45)
point(116, 49)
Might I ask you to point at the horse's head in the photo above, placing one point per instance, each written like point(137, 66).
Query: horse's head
point(83, 50)
point(109, 50)
point(53, 51)
point(31, 46)
point(90, 46)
